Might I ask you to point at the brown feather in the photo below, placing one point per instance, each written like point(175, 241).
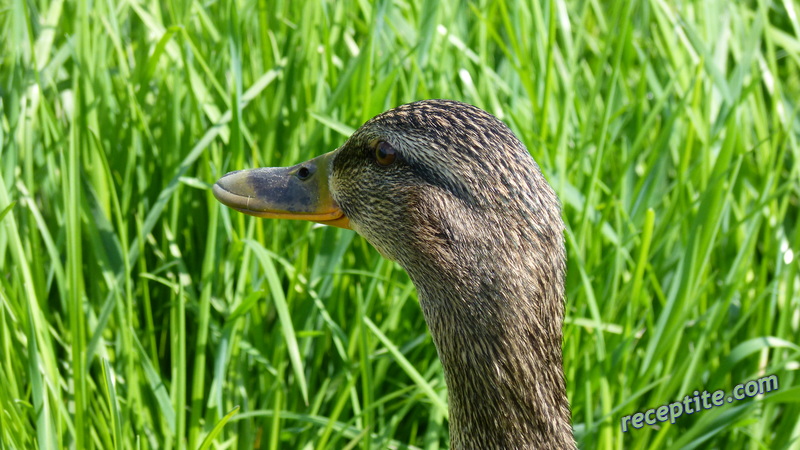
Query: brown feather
point(467, 212)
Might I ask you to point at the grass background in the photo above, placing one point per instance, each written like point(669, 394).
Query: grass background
point(137, 312)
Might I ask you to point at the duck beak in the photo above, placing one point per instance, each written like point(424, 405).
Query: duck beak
point(298, 192)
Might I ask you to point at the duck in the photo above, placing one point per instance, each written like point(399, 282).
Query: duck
point(448, 191)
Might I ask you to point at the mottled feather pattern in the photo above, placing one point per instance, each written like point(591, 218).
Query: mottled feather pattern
point(467, 212)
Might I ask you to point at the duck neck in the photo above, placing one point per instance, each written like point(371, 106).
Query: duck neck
point(498, 334)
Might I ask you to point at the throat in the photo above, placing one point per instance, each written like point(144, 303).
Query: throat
point(500, 347)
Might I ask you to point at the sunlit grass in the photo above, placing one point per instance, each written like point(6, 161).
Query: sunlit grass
point(137, 312)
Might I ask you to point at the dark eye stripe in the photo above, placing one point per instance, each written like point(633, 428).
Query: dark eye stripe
point(385, 154)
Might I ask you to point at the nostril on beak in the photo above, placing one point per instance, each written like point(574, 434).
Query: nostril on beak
point(304, 173)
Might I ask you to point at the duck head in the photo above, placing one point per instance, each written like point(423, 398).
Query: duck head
point(418, 180)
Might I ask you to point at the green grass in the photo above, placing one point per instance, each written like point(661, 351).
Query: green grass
point(137, 312)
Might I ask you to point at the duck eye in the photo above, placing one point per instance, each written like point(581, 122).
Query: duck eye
point(385, 154)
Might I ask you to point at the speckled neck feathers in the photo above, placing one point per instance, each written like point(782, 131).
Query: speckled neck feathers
point(496, 319)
